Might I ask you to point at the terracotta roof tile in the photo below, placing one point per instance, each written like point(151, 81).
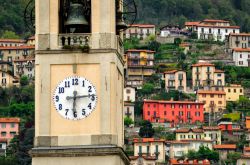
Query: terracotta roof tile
point(225, 146)
point(202, 64)
point(172, 102)
point(191, 23)
point(241, 50)
point(211, 92)
point(239, 34)
point(146, 140)
point(143, 25)
point(12, 40)
point(218, 71)
point(16, 47)
point(215, 21)
point(9, 120)
point(142, 50)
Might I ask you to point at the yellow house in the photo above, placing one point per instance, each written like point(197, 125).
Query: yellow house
point(233, 92)
point(176, 80)
point(150, 147)
point(204, 74)
point(215, 101)
point(248, 123)
point(7, 78)
point(140, 64)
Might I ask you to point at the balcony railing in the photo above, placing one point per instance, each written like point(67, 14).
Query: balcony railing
point(76, 39)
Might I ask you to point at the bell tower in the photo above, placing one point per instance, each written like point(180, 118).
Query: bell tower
point(79, 83)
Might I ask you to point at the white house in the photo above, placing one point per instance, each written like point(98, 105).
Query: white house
point(129, 94)
point(217, 30)
point(241, 56)
point(140, 31)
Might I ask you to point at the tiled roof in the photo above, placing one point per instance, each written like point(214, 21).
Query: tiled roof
point(218, 71)
point(214, 26)
point(188, 162)
point(2, 140)
point(143, 25)
point(177, 142)
point(144, 157)
point(211, 92)
point(9, 120)
point(171, 102)
point(241, 50)
point(146, 140)
point(12, 40)
point(225, 146)
point(210, 128)
point(171, 71)
point(186, 130)
point(247, 149)
point(142, 50)
point(31, 38)
point(25, 59)
point(239, 34)
point(191, 23)
point(202, 64)
point(16, 47)
point(215, 21)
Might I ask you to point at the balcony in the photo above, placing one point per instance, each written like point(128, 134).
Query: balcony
point(128, 114)
point(180, 88)
point(83, 41)
point(29, 65)
point(171, 88)
point(20, 72)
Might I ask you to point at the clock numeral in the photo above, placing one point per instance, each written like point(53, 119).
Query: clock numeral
point(90, 89)
point(83, 112)
point(67, 84)
point(75, 114)
point(57, 98)
point(93, 97)
point(67, 110)
point(74, 81)
point(89, 105)
point(60, 106)
point(61, 90)
point(83, 83)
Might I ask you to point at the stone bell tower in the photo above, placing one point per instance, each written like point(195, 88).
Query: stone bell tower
point(78, 40)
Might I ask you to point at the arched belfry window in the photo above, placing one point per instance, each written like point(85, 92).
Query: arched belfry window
point(75, 16)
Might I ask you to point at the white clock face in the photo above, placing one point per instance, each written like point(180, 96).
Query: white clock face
point(75, 98)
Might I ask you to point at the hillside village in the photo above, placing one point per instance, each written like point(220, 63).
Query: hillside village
point(186, 92)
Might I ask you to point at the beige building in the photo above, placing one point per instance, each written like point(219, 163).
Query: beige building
point(150, 147)
point(11, 42)
point(129, 110)
point(176, 80)
point(31, 41)
point(212, 134)
point(215, 101)
point(140, 31)
point(233, 92)
point(72, 127)
point(240, 40)
point(16, 52)
point(25, 67)
point(206, 75)
point(7, 78)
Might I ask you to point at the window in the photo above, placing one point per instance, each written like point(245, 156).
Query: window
point(234, 90)
point(3, 134)
point(12, 125)
point(212, 95)
point(3, 125)
point(220, 96)
point(154, 105)
point(210, 30)
point(165, 113)
point(9, 51)
point(148, 113)
point(147, 149)
point(128, 91)
point(173, 113)
point(197, 106)
point(9, 59)
point(3, 81)
point(128, 98)
point(204, 95)
point(240, 55)
point(233, 31)
point(226, 30)
point(241, 91)
point(154, 114)
point(229, 90)
point(172, 106)
point(189, 106)
point(3, 74)
point(212, 102)
point(148, 105)
point(220, 102)
point(219, 75)
point(219, 31)
point(240, 62)
point(181, 106)
point(140, 149)
point(13, 133)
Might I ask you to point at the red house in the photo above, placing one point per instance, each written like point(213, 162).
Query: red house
point(174, 112)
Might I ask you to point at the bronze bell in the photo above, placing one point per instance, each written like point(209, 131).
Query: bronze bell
point(120, 24)
point(76, 16)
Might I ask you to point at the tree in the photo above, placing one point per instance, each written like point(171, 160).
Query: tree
point(147, 89)
point(204, 153)
point(233, 157)
point(128, 121)
point(146, 130)
point(10, 35)
point(24, 80)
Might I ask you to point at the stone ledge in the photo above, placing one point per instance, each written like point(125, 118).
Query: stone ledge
point(80, 151)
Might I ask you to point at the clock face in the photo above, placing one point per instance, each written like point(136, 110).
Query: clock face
point(75, 98)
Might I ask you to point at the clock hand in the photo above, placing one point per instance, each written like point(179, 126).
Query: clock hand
point(74, 102)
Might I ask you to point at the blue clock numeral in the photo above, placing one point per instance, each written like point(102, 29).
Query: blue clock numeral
point(74, 81)
point(90, 89)
point(60, 106)
point(67, 84)
point(89, 106)
point(83, 112)
point(67, 110)
point(61, 90)
point(57, 98)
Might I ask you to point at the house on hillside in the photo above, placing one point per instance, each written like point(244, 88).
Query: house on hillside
point(176, 80)
point(140, 31)
point(212, 29)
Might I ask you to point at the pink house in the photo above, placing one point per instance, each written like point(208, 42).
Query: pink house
point(9, 127)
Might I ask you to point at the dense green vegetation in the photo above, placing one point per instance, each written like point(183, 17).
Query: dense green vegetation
point(162, 12)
